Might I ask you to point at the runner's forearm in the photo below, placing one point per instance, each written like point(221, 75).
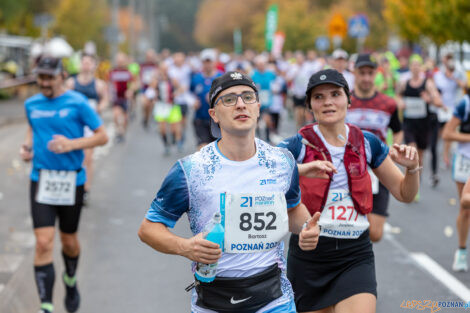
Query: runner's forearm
point(456, 136)
point(99, 138)
point(157, 236)
point(409, 186)
point(28, 141)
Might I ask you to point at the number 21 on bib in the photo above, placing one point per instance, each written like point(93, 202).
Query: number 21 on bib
point(255, 222)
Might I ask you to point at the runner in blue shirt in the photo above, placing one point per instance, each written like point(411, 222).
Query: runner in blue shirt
point(200, 86)
point(55, 144)
point(263, 78)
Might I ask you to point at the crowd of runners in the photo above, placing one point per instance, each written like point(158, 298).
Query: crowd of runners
point(357, 117)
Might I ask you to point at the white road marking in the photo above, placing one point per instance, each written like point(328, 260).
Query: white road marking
point(432, 267)
point(10, 262)
point(442, 275)
point(448, 231)
point(1, 195)
point(389, 229)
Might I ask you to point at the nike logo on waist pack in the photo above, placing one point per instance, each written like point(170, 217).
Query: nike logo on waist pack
point(233, 301)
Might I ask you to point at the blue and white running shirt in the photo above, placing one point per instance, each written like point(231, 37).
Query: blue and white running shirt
point(194, 185)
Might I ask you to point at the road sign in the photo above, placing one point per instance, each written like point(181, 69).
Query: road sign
point(43, 19)
point(358, 26)
point(322, 43)
point(337, 26)
point(112, 34)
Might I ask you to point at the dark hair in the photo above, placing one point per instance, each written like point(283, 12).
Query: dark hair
point(90, 55)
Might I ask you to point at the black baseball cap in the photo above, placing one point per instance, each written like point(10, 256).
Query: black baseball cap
point(365, 59)
point(223, 82)
point(49, 66)
point(329, 76)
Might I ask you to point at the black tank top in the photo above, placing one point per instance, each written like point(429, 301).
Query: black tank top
point(89, 90)
point(416, 93)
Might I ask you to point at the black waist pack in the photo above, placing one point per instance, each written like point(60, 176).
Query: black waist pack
point(241, 294)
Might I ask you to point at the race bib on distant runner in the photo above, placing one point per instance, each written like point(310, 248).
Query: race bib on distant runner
point(147, 76)
point(57, 187)
point(443, 115)
point(264, 97)
point(461, 168)
point(374, 181)
point(339, 218)
point(415, 108)
point(255, 222)
point(162, 110)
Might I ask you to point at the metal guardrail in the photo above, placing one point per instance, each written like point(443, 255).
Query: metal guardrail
point(16, 82)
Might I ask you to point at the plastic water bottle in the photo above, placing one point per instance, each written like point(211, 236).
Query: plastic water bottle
point(215, 233)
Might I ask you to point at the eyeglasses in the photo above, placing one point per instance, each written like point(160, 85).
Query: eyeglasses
point(248, 97)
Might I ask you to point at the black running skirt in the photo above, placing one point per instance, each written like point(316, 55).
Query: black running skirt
point(337, 269)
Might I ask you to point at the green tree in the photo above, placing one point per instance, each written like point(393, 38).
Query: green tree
point(439, 20)
point(80, 21)
point(216, 20)
point(300, 20)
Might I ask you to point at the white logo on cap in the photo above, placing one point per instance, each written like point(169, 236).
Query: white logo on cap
point(236, 75)
point(323, 77)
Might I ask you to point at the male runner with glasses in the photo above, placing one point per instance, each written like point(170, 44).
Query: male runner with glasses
point(255, 186)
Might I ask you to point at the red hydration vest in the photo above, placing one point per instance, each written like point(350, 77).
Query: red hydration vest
point(314, 191)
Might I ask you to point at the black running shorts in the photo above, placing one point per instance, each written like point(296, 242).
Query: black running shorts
point(416, 131)
point(380, 206)
point(203, 131)
point(337, 269)
point(44, 215)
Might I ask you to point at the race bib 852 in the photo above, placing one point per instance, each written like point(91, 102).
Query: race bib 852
point(255, 222)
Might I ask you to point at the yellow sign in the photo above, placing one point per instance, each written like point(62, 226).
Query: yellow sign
point(337, 26)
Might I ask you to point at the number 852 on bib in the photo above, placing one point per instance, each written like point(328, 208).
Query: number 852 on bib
point(255, 222)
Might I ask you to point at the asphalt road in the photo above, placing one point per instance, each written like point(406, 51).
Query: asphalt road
point(117, 273)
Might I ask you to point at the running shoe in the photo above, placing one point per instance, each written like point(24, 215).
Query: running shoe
point(416, 197)
point(460, 261)
point(119, 138)
point(180, 146)
point(434, 181)
point(46, 308)
point(72, 296)
point(86, 198)
point(167, 151)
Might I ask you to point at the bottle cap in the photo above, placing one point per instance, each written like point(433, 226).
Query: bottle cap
point(217, 217)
